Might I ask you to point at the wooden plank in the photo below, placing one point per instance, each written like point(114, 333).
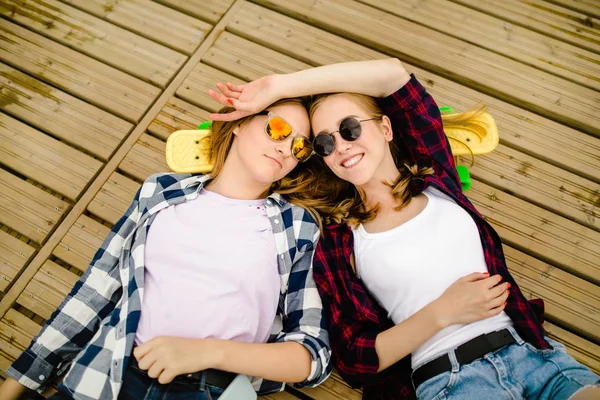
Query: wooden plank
point(279, 396)
point(16, 332)
point(82, 241)
point(202, 78)
point(481, 69)
point(498, 36)
point(76, 73)
point(538, 232)
point(147, 157)
point(530, 133)
point(10, 297)
point(150, 20)
point(64, 116)
point(114, 198)
point(115, 46)
point(545, 18)
point(587, 7)
point(333, 388)
point(177, 114)
point(247, 60)
point(585, 352)
point(44, 159)
point(207, 10)
point(540, 183)
point(569, 300)
point(14, 255)
point(28, 209)
point(47, 289)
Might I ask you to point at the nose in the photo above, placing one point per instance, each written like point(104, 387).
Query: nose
point(283, 148)
point(341, 145)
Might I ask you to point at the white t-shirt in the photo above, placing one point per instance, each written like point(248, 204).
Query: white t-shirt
point(409, 266)
point(211, 271)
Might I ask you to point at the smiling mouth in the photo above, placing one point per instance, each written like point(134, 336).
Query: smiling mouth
point(275, 161)
point(352, 161)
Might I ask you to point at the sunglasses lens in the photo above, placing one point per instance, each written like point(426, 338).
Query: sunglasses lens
point(301, 149)
point(350, 129)
point(324, 145)
point(278, 129)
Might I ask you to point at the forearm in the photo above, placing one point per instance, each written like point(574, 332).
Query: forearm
point(377, 78)
point(280, 362)
point(399, 341)
point(11, 389)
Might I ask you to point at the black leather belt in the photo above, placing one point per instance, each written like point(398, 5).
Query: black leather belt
point(465, 354)
point(214, 377)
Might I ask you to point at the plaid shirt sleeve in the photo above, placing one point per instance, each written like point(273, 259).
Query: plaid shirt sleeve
point(417, 122)
point(76, 320)
point(353, 325)
point(304, 320)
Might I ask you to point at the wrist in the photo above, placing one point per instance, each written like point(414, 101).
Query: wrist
point(438, 314)
point(213, 352)
point(280, 86)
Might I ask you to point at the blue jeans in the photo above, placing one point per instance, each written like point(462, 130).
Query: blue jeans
point(517, 371)
point(137, 385)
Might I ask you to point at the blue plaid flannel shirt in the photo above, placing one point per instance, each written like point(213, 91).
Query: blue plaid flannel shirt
point(93, 330)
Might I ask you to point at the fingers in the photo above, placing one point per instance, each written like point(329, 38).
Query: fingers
point(146, 362)
point(496, 310)
point(232, 116)
point(492, 281)
point(166, 377)
point(498, 290)
point(220, 98)
point(140, 351)
point(499, 300)
point(236, 88)
point(227, 91)
point(475, 276)
point(155, 370)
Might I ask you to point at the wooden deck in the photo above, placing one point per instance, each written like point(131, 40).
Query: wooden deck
point(89, 92)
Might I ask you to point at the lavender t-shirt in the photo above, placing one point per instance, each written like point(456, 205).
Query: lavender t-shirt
point(211, 271)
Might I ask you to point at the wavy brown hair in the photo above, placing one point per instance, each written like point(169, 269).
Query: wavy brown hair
point(295, 187)
point(337, 200)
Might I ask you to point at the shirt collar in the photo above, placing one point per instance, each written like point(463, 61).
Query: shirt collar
point(202, 179)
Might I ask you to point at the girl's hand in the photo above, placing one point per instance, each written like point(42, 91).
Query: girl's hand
point(472, 298)
point(165, 357)
point(247, 99)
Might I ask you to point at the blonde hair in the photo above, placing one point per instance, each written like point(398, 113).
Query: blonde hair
point(295, 187)
point(337, 200)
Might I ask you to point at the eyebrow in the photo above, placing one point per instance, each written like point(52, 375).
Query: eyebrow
point(339, 122)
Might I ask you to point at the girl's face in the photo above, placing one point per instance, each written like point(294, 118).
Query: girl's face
point(359, 161)
point(263, 159)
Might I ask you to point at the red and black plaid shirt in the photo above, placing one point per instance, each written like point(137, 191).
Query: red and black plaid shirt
point(355, 318)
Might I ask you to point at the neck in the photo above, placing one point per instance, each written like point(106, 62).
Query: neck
point(234, 183)
point(375, 191)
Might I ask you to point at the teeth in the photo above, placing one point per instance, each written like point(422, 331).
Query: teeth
point(352, 161)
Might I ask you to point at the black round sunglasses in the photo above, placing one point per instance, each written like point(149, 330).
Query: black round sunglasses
point(350, 130)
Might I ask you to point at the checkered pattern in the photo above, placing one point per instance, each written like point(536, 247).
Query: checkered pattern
point(93, 330)
point(355, 317)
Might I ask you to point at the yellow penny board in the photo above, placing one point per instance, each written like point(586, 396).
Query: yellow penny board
point(480, 135)
point(186, 149)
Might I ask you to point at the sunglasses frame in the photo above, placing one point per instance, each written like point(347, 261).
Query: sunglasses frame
point(294, 135)
point(330, 134)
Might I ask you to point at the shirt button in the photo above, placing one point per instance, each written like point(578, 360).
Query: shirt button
point(42, 377)
point(276, 221)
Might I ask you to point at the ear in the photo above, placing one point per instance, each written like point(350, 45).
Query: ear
point(386, 127)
